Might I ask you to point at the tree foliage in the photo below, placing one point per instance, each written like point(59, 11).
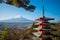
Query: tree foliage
point(4, 33)
point(20, 4)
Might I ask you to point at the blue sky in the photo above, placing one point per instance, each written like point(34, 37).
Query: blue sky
point(52, 9)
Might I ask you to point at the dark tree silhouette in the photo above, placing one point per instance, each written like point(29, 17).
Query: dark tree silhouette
point(20, 4)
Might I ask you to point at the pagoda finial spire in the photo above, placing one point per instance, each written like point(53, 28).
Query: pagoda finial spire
point(43, 11)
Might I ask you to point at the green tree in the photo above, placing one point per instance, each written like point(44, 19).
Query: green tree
point(4, 33)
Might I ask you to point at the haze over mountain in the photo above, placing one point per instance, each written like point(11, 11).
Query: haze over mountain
point(20, 19)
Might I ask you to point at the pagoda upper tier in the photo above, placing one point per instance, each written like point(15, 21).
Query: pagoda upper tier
point(45, 18)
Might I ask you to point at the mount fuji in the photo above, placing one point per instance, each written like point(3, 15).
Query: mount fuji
point(21, 20)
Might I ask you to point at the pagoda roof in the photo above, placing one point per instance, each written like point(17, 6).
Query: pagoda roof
point(36, 28)
point(44, 23)
point(48, 29)
point(45, 18)
point(48, 23)
point(36, 34)
point(44, 35)
point(45, 29)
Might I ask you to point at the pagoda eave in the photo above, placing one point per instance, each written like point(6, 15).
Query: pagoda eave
point(45, 18)
point(45, 23)
point(44, 29)
point(48, 29)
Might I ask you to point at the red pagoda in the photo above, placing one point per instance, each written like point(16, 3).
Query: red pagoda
point(42, 31)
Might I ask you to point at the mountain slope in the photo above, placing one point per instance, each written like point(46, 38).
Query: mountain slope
point(21, 19)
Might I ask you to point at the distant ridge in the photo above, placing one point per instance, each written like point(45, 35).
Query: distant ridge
point(21, 20)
